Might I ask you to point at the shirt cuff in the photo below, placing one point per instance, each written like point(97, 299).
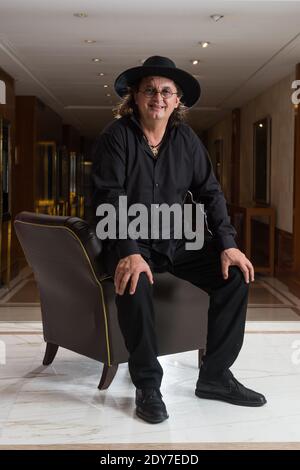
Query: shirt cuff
point(226, 242)
point(127, 248)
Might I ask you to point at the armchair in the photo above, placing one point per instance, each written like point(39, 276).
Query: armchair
point(78, 298)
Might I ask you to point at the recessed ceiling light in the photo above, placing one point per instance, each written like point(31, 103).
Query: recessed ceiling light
point(108, 94)
point(96, 59)
point(105, 86)
point(101, 74)
point(89, 41)
point(204, 44)
point(80, 14)
point(216, 17)
point(195, 61)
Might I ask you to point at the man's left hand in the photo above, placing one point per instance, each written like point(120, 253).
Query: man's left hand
point(234, 257)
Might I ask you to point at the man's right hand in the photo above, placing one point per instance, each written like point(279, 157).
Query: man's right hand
point(130, 267)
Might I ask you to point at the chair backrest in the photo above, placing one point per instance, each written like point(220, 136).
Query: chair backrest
point(65, 256)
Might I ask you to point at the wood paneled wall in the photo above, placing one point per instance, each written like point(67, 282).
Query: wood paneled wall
point(7, 111)
point(71, 139)
point(35, 122)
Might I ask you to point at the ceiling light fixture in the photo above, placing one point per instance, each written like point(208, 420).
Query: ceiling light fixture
point(96, 59)
point(89, 41)
point(105, 86)
point(108, 94)
point(216, 17)
point(204, 44)
point(101, 74)
point(195, 61)
point(80, 14)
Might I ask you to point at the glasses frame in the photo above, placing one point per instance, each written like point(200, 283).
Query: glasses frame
point(155, 91)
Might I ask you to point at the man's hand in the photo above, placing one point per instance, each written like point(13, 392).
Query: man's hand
point(130, 267)
point(234, 257)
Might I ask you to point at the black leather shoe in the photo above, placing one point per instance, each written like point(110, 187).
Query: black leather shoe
point(149, 405)
point(228, 389)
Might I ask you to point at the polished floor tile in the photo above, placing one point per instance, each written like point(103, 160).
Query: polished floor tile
point(259, 294)
point(271, 314)
point(22, 312)
point(61, 404)
point(28, 293)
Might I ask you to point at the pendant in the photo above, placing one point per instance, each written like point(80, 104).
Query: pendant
point(155, 152)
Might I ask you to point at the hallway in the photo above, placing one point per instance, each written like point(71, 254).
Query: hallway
point(71, 72)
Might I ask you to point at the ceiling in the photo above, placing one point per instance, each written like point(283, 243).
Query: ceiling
point(42, 46)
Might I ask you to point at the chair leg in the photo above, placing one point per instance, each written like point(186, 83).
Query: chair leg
point(107, 376)
point(50, 353)
point(200, 355)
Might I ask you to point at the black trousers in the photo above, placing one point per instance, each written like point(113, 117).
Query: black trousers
point(226, 314)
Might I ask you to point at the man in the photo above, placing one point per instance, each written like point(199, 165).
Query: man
point(151, 156)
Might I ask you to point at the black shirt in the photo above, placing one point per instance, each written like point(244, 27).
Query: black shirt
point(123, 164)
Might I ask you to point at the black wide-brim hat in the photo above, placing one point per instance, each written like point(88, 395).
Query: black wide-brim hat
point(158, 66)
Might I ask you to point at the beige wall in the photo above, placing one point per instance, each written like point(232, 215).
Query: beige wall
point(276, 102)
point(222, 130)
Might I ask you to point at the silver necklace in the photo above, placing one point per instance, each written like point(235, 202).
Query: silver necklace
point(154, 148)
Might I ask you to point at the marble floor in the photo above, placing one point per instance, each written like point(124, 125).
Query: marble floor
point(60, 405)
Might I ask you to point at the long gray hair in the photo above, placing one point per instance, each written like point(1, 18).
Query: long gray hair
point(127, 105)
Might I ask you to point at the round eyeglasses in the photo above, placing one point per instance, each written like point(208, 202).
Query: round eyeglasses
point(166, 93)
